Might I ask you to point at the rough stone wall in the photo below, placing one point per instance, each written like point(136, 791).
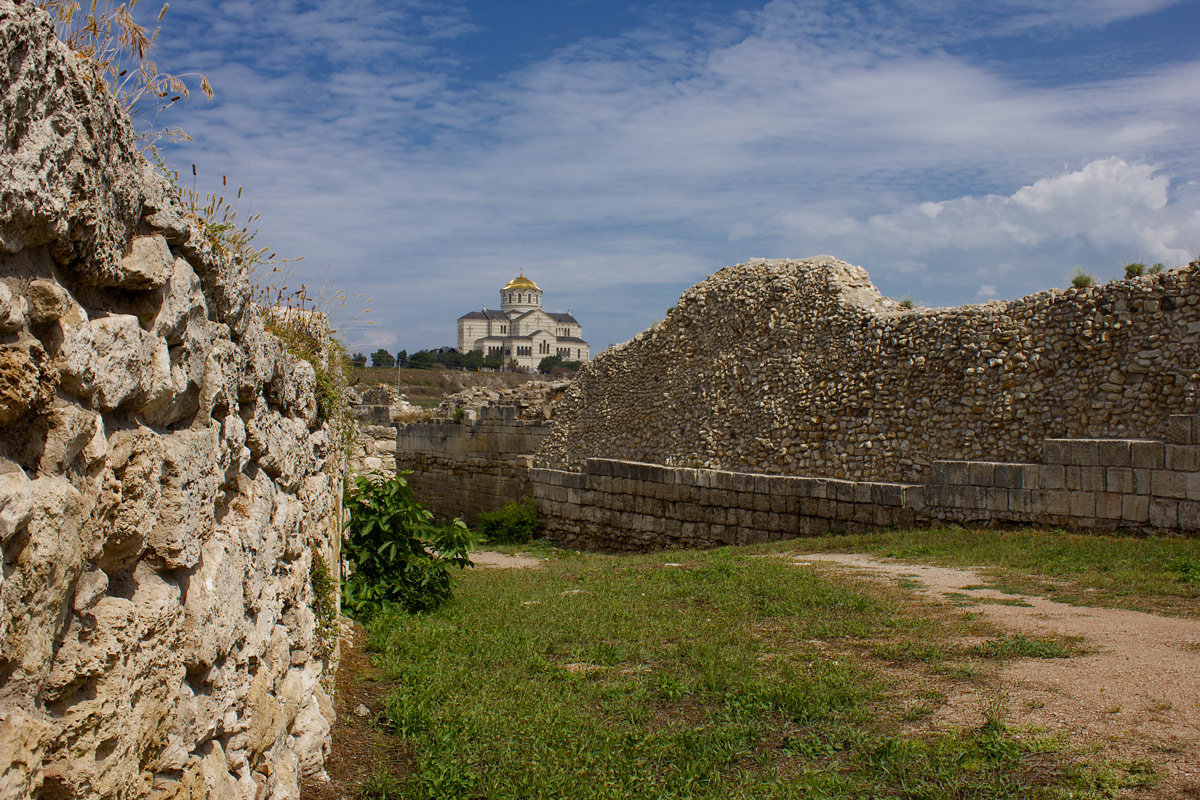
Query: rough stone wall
point(802, 367)
point(460, 469)
point(1143, 485)
point(166, 480)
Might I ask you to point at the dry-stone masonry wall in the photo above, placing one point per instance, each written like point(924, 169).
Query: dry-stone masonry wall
point(802, 367)
point(166, 481)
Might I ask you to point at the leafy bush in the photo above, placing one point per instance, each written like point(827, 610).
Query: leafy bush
point(1081, 279)
point(1135, 269)
point(514, 523)
point(396, 555)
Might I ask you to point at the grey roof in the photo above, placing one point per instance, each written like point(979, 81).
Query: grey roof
point(563, 318)
point(571, 339)
point(485, 314)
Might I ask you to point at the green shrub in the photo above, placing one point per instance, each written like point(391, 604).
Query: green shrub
point(1081, 279)
point(1156, 269)
point(396, 555)
point(514, 523)
point(908, 302)
point(1135, 269)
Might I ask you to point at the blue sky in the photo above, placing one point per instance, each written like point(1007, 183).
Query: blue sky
point(420, 152)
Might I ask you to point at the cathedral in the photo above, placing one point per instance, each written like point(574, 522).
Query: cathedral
point(521, 331)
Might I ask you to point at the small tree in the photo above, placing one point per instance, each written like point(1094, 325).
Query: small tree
point(550, 364)
point(359, 360)
point(382, 358)
point(402, 358)
point(1081, 279)
point(422, 359)
point(493, 361)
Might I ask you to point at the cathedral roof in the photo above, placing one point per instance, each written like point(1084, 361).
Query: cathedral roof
point(521, 282)
point(563, 317)
point(487, 313)
point(571, 339)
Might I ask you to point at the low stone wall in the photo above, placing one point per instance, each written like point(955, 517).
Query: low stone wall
point(167, 482)
point(460, 469)
point(1132, 484)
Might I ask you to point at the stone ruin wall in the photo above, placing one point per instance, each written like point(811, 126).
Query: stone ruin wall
point(166, 481)
point(461, 469)
point(801, 367)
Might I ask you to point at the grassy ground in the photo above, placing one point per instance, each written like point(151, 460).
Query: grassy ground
point(704, 675)
point(428, 387)
point(1156, 574)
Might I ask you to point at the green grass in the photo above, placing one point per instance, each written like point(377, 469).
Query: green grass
point(729, 677)
point(1159, 574)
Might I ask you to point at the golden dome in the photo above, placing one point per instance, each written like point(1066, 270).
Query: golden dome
point(521, 282)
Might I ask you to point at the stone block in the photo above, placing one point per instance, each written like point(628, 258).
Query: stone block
point(1164, 513)
point(1179, 429)
point(842, 491)
point(981, 473)
point(1082, 504)
point(1189, 516)
point(1031, 476)
point(863, 513)
point(1182, 457)
point(913, 497)
point(1147, 454)
point(820, 489)
point(1054, 451)
point(863, 492)
point(1053, 476)
point(1084, 452)
point(1168, 483)
point(1010, 476)
point(887, 494)
point(1114, 452)
point(1193, 486)
point(939, 473)
point(1019, 501)
point(1091, 479)
point(1141, 480)
point(1108, 506)
point(1135, 509)
point(996, 500)
point(1118, 479)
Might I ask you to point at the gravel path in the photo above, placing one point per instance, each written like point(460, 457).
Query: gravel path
point(1136, 694)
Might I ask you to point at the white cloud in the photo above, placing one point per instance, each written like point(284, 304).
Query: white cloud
point(656, 157)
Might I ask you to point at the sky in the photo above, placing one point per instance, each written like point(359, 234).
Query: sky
point(419, 153)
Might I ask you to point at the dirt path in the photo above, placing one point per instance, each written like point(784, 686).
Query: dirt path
point(494, 560)
point(1136, 695)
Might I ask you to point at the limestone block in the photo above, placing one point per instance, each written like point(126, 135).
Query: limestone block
point(1147, 454)
point(280, 444)
point(181, 301)
point(1168, 483)
point(16, 502)
point(12, 310)
point(27, 379)
point(1119, 479)
point(23, 741)
point(63, 433)
point(114, 362)
point(184, 514)
point(1115, 452)
point(1179, 429)
point(125, 507)
point(147, 265)
point(1135, 508)
point(47, 301)
point(1164, 513)
point(1183, 457)
point(220, 385)
point(40, 566)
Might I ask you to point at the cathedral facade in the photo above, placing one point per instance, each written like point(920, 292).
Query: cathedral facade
point(521, 331)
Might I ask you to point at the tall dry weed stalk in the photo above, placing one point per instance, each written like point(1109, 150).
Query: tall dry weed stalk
point(115, 49)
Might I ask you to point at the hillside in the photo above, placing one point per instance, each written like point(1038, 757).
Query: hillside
point(428, 387)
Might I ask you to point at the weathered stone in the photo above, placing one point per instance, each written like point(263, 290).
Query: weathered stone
point(147, 265)
point(113, 362)
point(27, 379)
point(47, 301)
point(12, 310)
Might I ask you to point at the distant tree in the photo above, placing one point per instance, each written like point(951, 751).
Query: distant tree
point(422, 359)
point(550, 364)
point(382, 358)
point(1134, 269)
point(359, 360)
point(402, 358)
point(493, 361)
point(472, 359)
